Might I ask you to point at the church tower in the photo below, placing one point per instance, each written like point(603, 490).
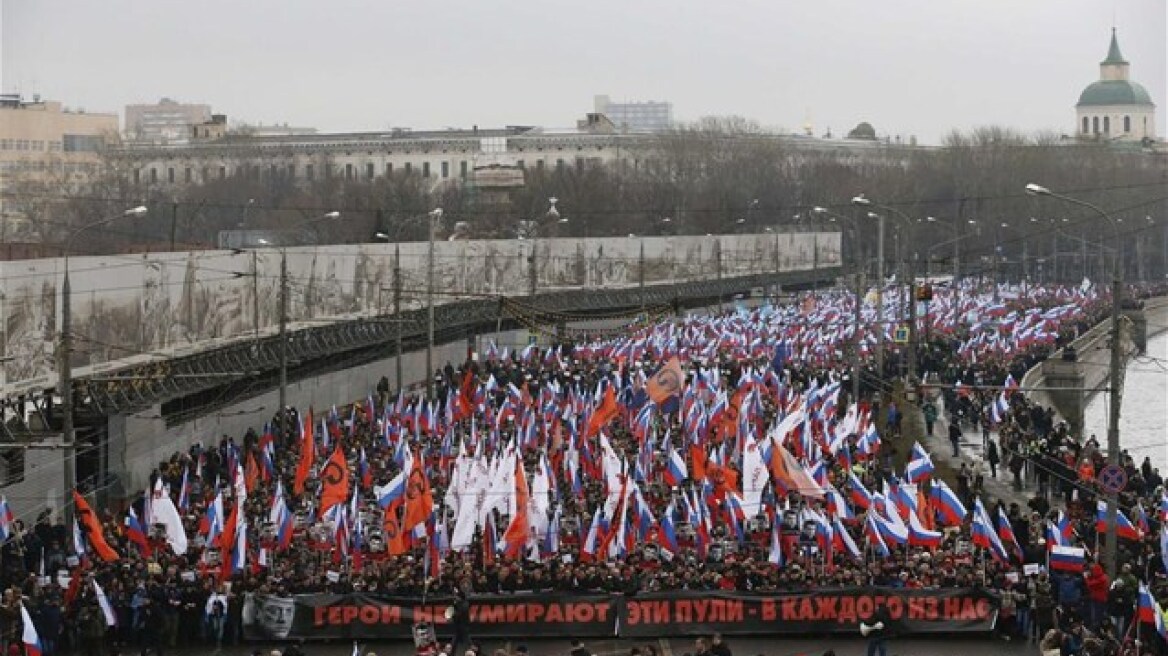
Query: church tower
point(1115, 108)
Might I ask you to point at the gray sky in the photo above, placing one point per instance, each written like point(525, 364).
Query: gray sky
point(907, 66)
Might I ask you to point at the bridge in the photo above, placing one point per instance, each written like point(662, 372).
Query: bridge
point(174, 348)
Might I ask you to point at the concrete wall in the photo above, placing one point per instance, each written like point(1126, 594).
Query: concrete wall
point(1090, 372)
point(143, 307)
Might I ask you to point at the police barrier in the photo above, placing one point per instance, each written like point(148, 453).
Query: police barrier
point(363, 617)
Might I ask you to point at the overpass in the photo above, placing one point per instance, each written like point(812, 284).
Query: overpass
point(174, 348)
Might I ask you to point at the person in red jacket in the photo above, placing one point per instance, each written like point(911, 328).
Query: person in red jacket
point(1097, 588)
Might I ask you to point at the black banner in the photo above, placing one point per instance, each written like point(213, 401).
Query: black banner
point(650, 615)
point(360, 616)
point(819, 612)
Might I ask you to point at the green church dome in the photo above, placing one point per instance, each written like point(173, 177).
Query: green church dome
point(1114, 92)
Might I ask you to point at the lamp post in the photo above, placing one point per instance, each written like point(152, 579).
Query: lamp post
point(65, 364)
point(862, 201)
point(283, 323)
point(551, 217)
point(1115, 370)
point(857, 292)
point(397, 294)
point(434, 217)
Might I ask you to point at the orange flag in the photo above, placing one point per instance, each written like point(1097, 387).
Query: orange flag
point(604, 413)
point(396, 542)
point(334, 481)
point(307, 453)
point(520, 528)
point(251, 472)
point(698, 457)
point(92, 528)
point(667, 382)
point(790, 476)
point(419, 500)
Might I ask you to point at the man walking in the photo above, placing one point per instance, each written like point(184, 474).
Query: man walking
point(877, 631)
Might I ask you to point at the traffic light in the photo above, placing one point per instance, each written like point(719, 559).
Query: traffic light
point(925, 292)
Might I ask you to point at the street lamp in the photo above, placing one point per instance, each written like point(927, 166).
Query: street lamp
point(283, 317)
point(65, 364)
point(434, 217)
point(857, 317)
point(863, 201)
point(1115, 368)
point(550, 217)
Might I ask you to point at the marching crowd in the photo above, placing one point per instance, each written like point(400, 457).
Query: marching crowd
point(583, 468)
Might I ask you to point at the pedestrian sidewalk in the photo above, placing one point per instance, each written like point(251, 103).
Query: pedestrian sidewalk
point(972, 453)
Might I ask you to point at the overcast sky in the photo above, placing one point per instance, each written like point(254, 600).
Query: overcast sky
point(910, 67)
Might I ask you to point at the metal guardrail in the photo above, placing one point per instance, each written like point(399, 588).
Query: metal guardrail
point(138, 387)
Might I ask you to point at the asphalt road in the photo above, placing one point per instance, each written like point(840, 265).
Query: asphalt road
point(843, 646)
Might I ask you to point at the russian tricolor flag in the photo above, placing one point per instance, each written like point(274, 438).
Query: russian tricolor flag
point(775, 557)
point(1006, 534)
point(920, 536)
point(947, 504)
point(920, 467)
point(395, 491)
point(136, 533)
point(32, 641)
point(1146, 607)
point(1123, 526)
point(1067, 559)
point(676, 471)
point(842, 540)
point(5, 520)
point(860, 494)
point(669, 531)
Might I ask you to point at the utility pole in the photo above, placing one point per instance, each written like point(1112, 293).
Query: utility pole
point(880, 295)
point(397, 293)
point(434, 217)
point(283, 342)
point(641, 274)
point(1115, 371)
point(857, 319)
point(65, 364)
point(66, 383)
point(912, 312)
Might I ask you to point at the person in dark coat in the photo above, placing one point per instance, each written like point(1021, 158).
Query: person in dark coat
point(879, 630)
point(993, 458)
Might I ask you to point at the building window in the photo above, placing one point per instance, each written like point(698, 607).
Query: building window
point(1126, 124)
point(348, 171)
point(204, 177)
point(170, 175)
point(539, 165)
point(445, 169)
point(222, 172)
point(462, 169)
point(520, 165)
point(369, 172)
point(309, 173)
point(188, 175)
point(1106, 125)
point(1095, 124)
point(425, 169)
point(388, 169)
point(560, 165)
point(409, 168)
point(291, 171)
point(1086, 125)
point(579, 164)
point(137, 176)
point(153, 175)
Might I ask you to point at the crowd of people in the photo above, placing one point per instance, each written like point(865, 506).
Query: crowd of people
point(581, 467)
